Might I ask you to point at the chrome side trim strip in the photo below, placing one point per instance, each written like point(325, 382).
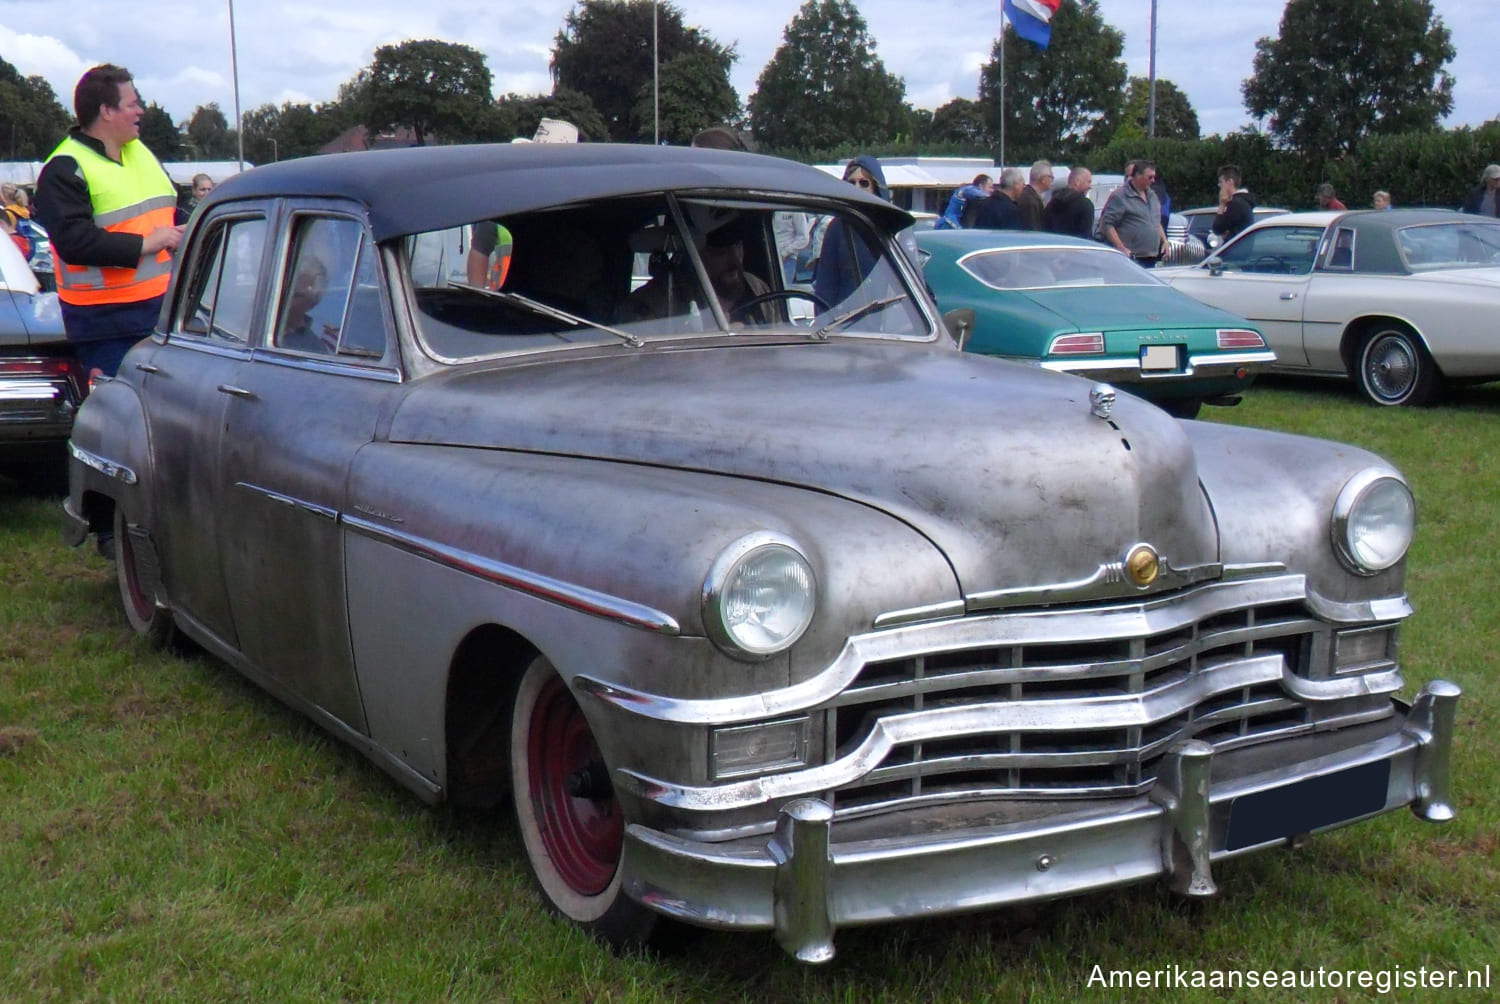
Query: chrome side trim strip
point(288, 500)
point(545, 587)
point(106, 467)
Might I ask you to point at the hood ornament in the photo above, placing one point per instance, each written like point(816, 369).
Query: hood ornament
point(1101, 400)
point(1142, 565)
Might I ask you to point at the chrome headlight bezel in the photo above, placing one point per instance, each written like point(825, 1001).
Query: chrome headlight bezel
point(726, 575)
point(1372, 488)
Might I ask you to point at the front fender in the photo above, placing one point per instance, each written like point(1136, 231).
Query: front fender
point(110, 454)
point(603, 543)
point(1273, 495)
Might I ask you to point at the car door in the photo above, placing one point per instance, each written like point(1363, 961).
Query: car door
point(1262, 276)
point(309, 398)
point(183, 387)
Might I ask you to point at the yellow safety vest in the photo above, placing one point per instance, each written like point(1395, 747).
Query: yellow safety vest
point(134, 196)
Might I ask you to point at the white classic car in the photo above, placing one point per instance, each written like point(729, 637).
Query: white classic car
point(1401, 301)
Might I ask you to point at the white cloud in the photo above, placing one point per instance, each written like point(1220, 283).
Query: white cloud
point(179, 49)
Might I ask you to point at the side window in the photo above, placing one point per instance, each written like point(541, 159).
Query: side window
point(330, 293)
point(221, 297)
point(1273, 251)
point(1342, 255)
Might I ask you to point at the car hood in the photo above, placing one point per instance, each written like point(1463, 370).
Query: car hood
point(29, 319)
point(1001, 466)
point(1125, 308)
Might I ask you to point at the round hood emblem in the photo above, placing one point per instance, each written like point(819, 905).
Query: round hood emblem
point(1142, 564)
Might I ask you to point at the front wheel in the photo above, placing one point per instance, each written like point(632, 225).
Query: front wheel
point(1394, 368)
point(567, 812)
point(138, 592)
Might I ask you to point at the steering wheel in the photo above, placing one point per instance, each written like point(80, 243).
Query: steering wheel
point(778, 294)
point(1277, 263)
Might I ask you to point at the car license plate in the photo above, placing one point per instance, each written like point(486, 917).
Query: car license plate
point(1159, 358)
point(1308, 805)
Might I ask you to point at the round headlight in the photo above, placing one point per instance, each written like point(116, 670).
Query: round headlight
point(1373, 522)
point(759, 596)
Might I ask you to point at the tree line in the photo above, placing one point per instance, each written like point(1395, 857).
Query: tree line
point(1339, 72)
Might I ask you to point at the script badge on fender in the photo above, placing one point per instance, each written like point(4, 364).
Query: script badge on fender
point(1142, 564)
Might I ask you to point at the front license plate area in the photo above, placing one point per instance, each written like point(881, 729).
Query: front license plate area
point(1308, 805)
point(1160, 358)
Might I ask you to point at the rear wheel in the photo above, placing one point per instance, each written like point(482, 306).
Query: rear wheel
point(1393, 367)
point(567, 812)
point(138, 592)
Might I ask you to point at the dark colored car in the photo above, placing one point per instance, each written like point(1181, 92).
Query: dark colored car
point(40, 386)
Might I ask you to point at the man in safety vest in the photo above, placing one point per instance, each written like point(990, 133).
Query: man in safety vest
point(108, 207)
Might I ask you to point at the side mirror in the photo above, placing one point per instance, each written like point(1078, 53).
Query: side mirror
point(1215, 265)
point(960, 324)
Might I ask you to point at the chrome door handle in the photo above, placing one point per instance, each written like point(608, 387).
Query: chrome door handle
point(234, 391)
point(1289, 296)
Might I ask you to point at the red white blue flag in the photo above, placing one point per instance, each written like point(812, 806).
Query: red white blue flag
point(1032, 19)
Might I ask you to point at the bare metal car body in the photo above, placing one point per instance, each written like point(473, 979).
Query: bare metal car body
point(1057, 642)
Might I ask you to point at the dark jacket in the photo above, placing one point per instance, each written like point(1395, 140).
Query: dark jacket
point(1070, 212)
point(1236, 216)
point(844, 262)
point(1475, 197)
point(998, 212)
point(1030, 204)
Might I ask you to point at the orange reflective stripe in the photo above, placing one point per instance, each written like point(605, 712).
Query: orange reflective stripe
point(87, 285)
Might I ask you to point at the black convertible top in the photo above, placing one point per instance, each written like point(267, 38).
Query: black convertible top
point(417, 189)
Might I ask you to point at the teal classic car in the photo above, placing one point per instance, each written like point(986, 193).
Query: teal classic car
point(1080, 307)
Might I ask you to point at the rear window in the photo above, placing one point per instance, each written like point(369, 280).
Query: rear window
point(1450, 245)
point(1035, 268)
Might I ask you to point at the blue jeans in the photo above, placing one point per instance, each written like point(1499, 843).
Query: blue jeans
point(103, 354)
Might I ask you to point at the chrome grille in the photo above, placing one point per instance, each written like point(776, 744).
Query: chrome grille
point(1190, 670)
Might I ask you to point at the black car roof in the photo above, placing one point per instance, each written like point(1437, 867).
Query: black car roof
point(418, 189)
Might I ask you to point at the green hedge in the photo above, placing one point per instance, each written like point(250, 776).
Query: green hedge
point(1418, 169)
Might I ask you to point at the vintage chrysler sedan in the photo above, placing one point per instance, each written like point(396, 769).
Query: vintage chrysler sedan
point(758, 624)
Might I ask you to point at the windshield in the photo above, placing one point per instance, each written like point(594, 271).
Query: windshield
point(1468, 244)
point(642, 269)
point(1033, 268)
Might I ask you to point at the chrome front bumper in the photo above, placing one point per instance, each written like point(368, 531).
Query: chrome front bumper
point(805, 882)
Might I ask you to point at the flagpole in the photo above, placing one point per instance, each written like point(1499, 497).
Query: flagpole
point(1151, 103)
point(1002, 86)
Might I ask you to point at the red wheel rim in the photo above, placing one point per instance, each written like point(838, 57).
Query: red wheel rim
point(144, 605)
point(582, 836)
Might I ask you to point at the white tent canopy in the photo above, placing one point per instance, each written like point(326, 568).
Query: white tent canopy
point(24, 172)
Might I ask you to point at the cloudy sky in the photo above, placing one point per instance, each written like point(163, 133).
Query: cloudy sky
point(297, 51)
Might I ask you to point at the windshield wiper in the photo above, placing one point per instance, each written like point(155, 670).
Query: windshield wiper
point(537, 307)
point(850, 316)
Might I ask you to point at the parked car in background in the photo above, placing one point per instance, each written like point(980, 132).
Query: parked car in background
point(40, 386)
point(755, 625)
point(1401, 302)
point(1191, 234)
point(1080, 307)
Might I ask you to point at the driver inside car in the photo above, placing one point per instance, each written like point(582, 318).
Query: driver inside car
point(718, 236)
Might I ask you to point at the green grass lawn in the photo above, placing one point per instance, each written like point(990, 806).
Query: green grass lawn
point(171, 834)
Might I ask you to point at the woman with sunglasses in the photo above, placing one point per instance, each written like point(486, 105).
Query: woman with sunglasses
point(847, 259)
